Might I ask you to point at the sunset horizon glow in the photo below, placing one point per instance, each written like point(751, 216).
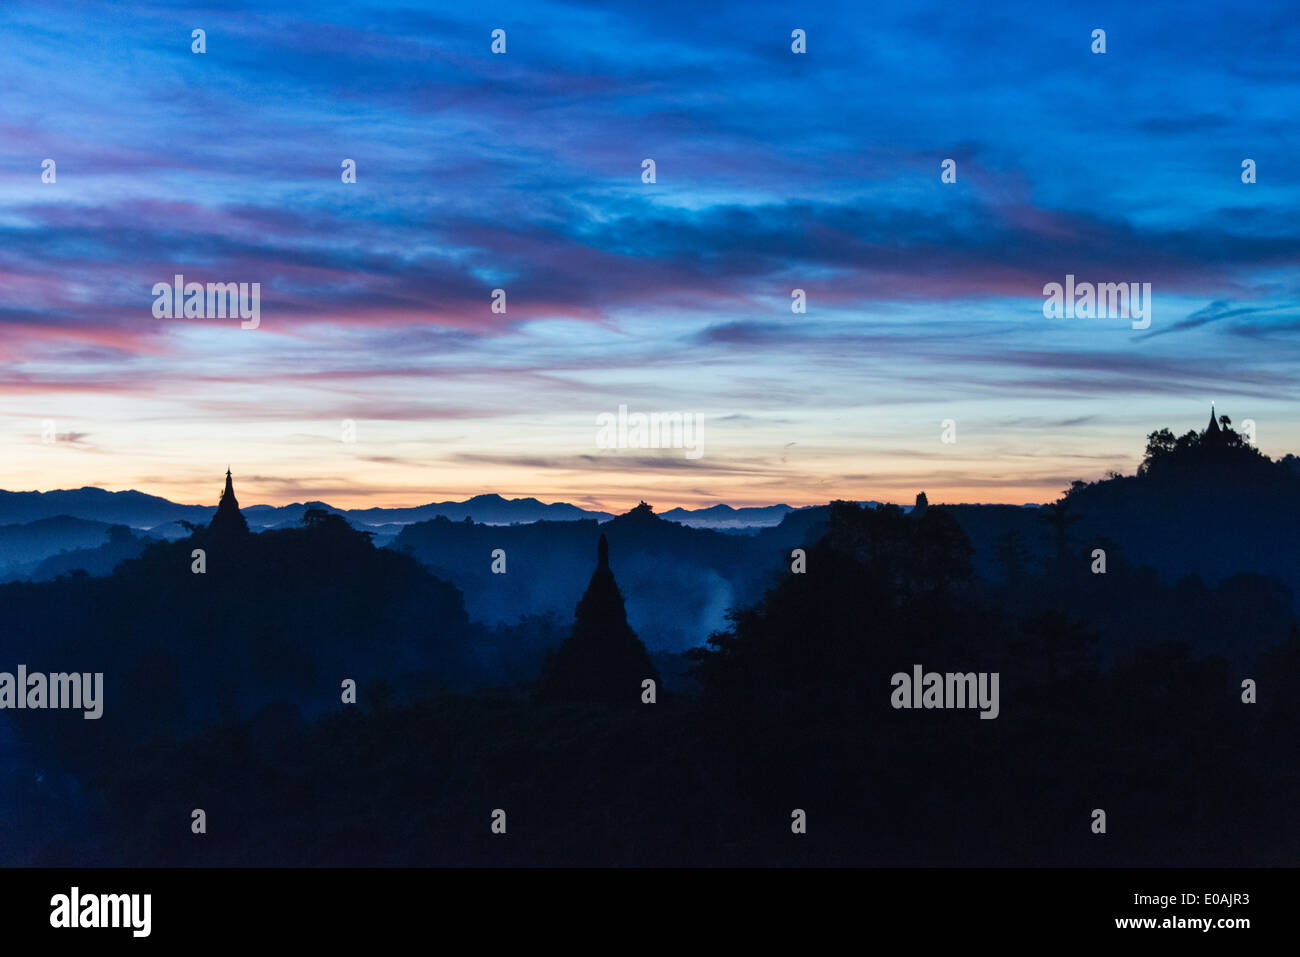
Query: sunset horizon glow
point(379, 374)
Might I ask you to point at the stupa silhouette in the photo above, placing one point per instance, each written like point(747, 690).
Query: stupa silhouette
point(602, 660)
point(228, 521)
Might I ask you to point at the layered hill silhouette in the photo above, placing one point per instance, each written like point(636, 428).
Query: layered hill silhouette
point(1205, 504)
point(220, 625)
point(24, 547)
point(139, 510)
point(678, 581)
point(1188, 510)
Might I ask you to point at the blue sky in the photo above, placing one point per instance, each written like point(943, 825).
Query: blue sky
point(522, 171)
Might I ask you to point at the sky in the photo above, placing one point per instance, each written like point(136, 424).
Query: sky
point(379, 374)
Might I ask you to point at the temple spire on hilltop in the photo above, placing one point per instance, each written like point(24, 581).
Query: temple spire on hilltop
point(228, 520)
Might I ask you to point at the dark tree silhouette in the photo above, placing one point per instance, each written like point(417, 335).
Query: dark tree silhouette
point(1218, 442)
point(880, 586)
point(1058, 517)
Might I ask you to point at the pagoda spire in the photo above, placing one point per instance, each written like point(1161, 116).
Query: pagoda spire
point(602, 660)
point(1213, 427)
point(228, 518)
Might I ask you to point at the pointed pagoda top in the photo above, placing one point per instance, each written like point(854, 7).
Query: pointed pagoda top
point(602, 660)
point(1213, 427)
point(228, 517)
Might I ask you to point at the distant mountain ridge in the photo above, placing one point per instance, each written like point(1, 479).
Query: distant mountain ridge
point(24, 546)
point(151, 512)
point(140, 510)
point(137, 509)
